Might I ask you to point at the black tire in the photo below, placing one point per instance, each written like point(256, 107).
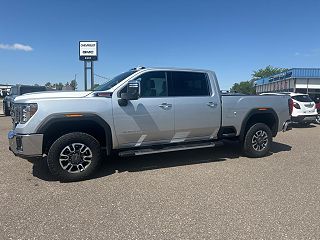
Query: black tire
point(318, 119)
point(70, 151)
point(257, 141)
point(6, 110)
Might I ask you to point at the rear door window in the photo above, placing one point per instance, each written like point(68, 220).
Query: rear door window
point(302, 98)
point(187, 84)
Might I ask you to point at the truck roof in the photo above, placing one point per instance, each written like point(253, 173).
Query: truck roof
point(171, 68)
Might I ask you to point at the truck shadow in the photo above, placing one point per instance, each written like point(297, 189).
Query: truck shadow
point(117, 164)
point(298, 125)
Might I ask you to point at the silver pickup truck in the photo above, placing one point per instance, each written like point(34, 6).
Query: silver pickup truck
point(141, 111)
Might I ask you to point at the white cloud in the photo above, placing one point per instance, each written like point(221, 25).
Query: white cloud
point(16, 46)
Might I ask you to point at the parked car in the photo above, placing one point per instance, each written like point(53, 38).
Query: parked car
point(304, 108)
point(142, 111)
point(317, 101)
point(16, 91)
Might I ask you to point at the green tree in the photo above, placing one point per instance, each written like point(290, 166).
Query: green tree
point(59, 86)
point(267, 71)
point(96, 85)
point(245, 87)
point(74, 84)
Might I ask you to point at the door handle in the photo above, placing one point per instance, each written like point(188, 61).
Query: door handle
point(212, 104)
point(165, 106)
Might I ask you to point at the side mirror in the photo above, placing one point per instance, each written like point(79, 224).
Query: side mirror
point(133, 91)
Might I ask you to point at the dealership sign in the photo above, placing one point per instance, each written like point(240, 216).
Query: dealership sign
point(88, 50)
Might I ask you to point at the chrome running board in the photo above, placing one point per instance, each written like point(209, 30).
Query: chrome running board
point(137, 152)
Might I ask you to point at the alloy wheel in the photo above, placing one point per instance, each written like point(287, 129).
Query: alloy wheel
point(260, 140)
point(75, 157)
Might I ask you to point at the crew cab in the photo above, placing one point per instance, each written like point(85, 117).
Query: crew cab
point(141, 111)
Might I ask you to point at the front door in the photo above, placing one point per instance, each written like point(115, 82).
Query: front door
point(148, 120)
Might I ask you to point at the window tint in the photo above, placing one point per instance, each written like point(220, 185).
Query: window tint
point(114, 81)
point(153, 84)
point(302, 98)
point(13, 91)
point(30, 89)
point(190, 84)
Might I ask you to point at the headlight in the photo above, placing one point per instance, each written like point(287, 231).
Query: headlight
point(27, 111)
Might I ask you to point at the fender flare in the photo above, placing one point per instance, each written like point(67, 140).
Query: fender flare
point(61, 117)
point(254, 112)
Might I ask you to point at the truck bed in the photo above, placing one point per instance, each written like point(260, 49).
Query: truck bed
point(235, 108)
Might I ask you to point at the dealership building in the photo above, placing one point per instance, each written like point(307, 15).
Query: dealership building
point(299, 80)
point(4, 89)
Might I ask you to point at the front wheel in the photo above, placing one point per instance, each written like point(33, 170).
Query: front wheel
point(74, 156)
point(257, 141)
point(318, 119)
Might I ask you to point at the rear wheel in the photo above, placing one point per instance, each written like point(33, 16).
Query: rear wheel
point(257, 141)
point(74, 156)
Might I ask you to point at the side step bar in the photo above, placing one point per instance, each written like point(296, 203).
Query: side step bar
point(137, 152)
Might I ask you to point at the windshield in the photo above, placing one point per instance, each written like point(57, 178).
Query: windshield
point(13, 91)
point(302, 98)
point(114, 81)
point(30, 89)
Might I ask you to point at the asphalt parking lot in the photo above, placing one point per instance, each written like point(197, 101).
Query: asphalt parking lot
point(199, 194)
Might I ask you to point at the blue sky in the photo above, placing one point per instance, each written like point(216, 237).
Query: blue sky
point(233, 38)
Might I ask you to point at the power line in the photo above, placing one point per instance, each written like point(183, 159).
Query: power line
point(102, 76)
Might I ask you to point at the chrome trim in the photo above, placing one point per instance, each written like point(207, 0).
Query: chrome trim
point(31, 144)
point(165, 106)
point(175, 149)
point(286, 126)
point(212, 104)
point(168, 149)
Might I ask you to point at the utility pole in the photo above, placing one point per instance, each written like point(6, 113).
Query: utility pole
point(92, 76)
point(85, 76)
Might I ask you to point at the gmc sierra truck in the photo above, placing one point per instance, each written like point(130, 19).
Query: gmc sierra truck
point(141, 111)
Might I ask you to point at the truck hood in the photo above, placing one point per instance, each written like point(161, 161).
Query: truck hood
point(53, 94)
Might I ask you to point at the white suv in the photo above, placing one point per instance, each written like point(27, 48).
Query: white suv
point(304, 109)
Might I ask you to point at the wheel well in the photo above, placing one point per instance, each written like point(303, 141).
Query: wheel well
point(267, 118)
point(59, 128)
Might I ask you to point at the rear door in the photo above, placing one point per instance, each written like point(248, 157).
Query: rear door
point(197, 108)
